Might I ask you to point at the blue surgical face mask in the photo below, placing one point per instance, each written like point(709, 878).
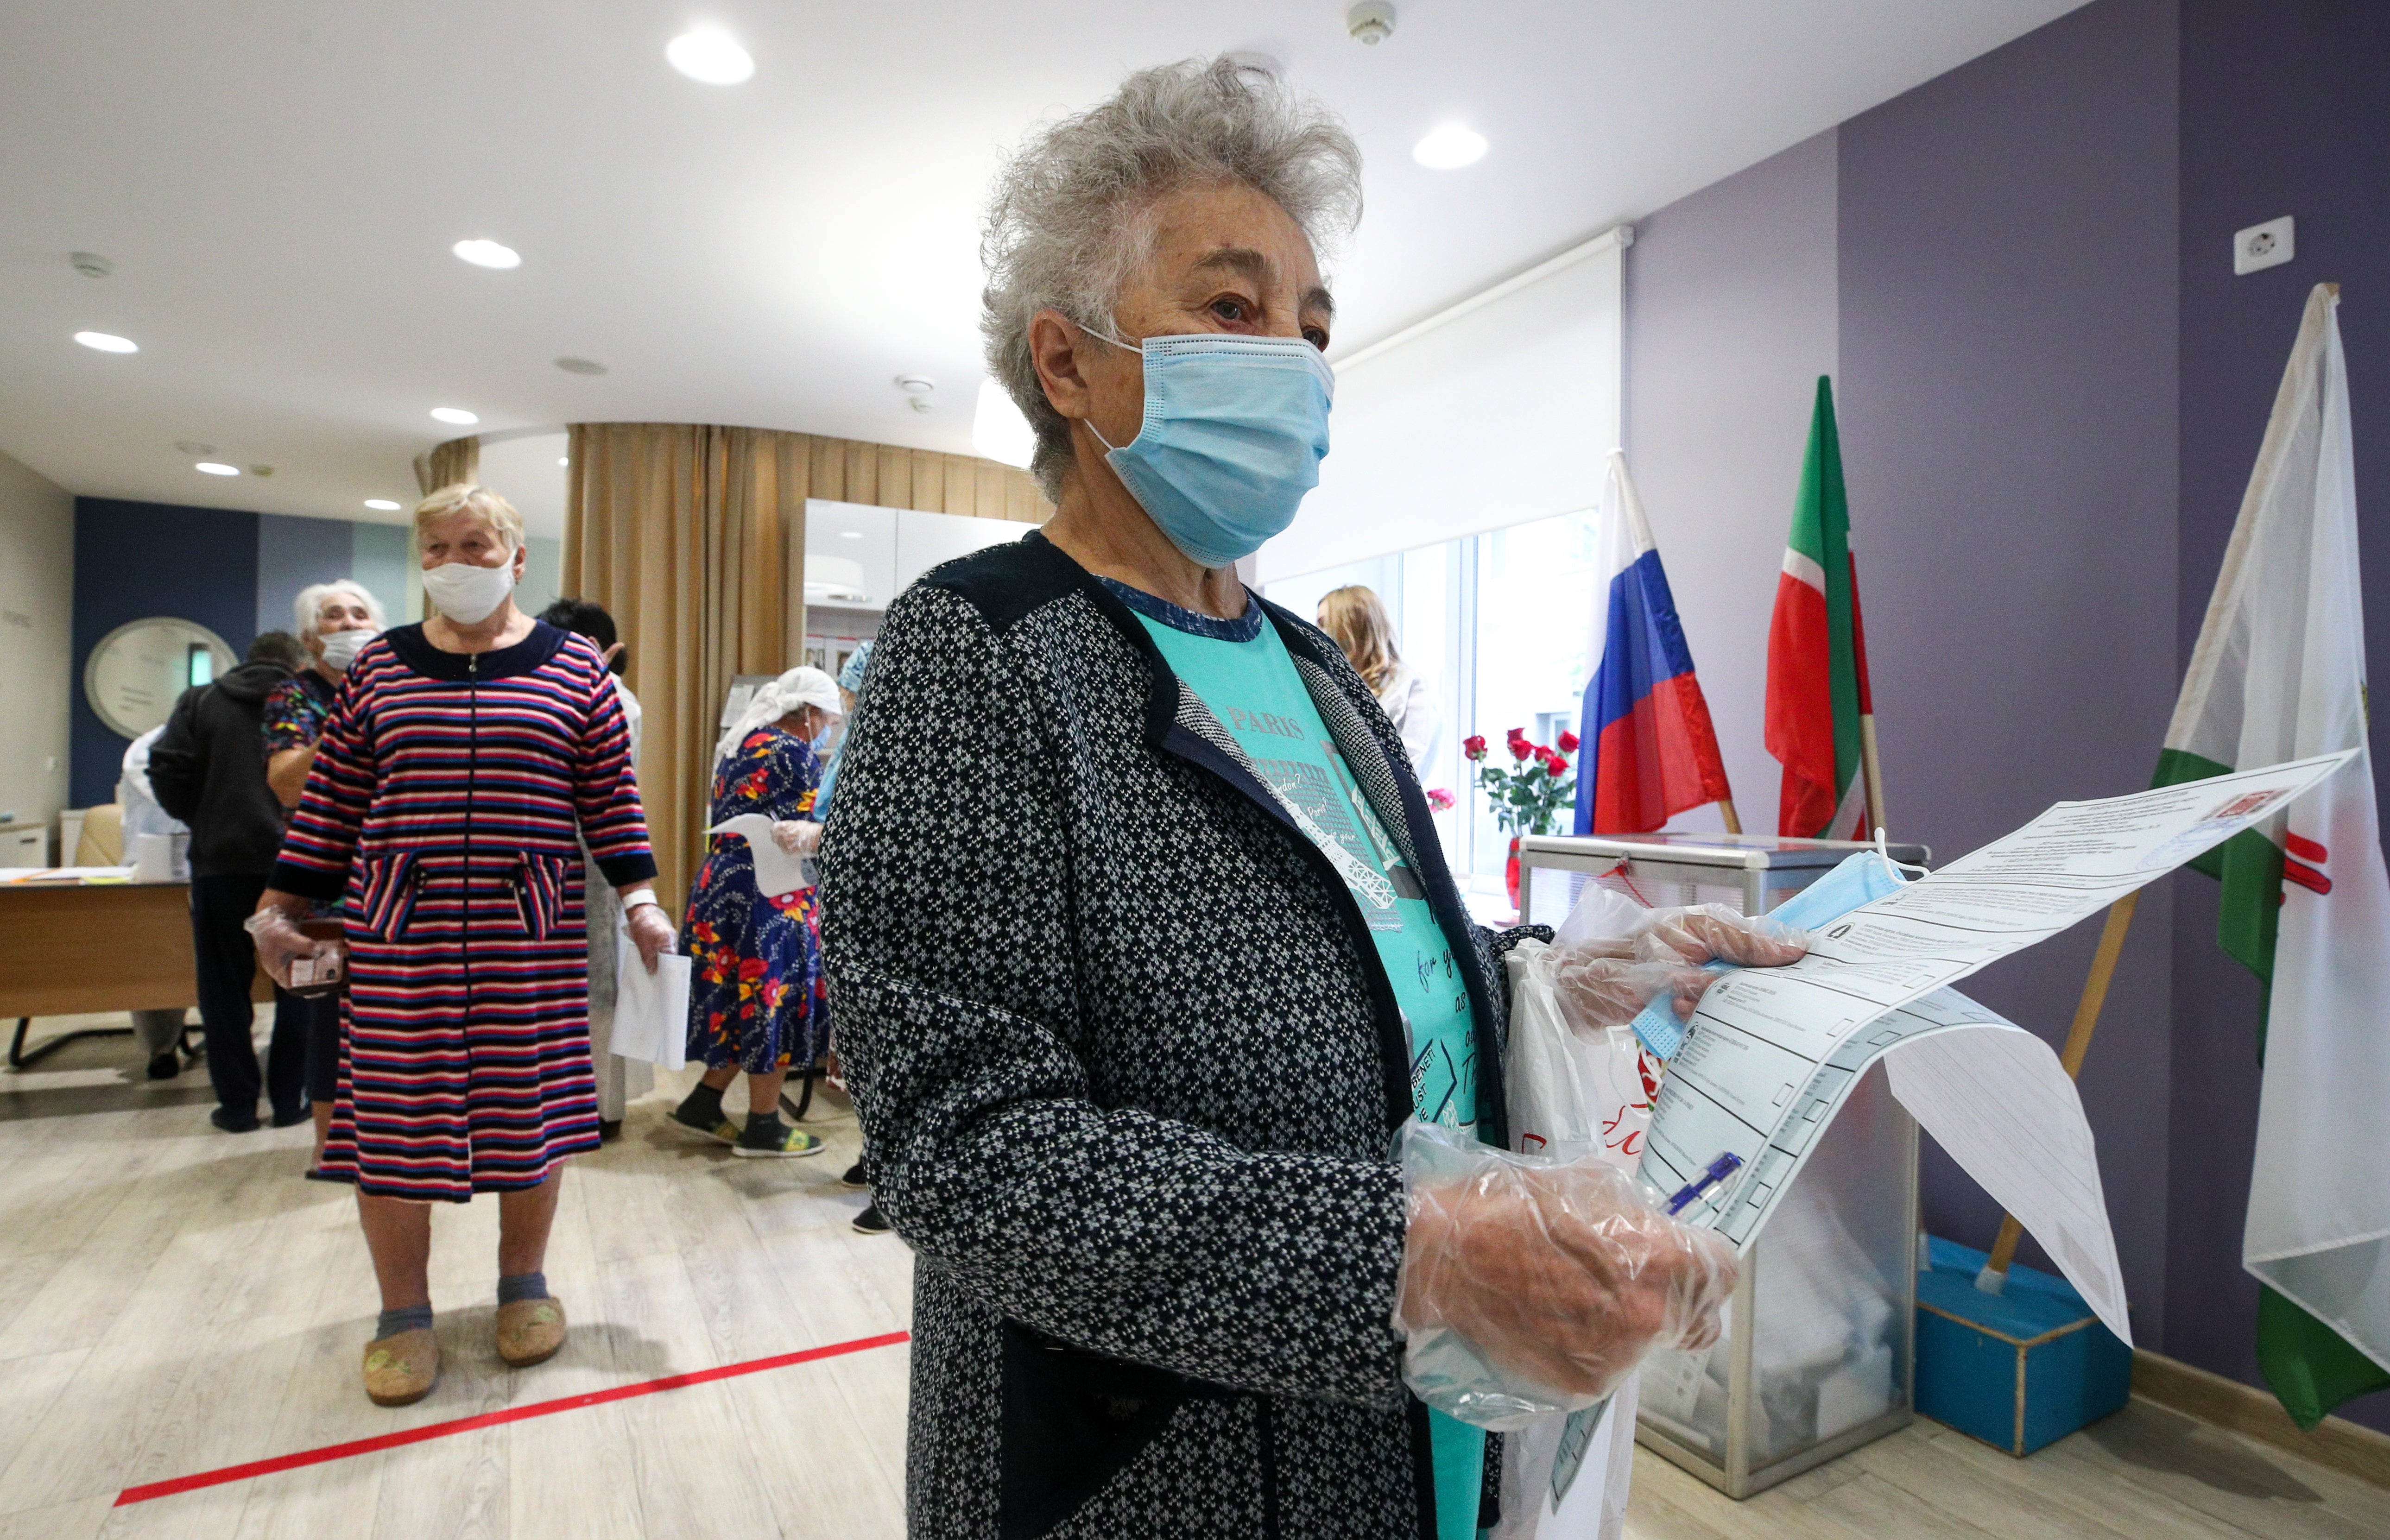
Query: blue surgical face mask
point(1235, 429)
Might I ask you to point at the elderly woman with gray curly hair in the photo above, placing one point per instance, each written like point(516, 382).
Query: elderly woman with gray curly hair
point(1140, 940)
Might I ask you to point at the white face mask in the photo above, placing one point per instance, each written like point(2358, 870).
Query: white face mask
point(467, 594)
point(341, 647)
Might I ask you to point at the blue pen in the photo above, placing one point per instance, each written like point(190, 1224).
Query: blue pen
point(1721, 1168)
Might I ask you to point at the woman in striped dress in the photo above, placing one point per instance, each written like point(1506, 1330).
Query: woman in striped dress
point(465, 761)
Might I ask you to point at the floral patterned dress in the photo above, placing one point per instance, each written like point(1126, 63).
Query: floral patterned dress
point(758, 1000)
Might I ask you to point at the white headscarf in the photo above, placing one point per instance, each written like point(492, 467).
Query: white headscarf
point(799, 686)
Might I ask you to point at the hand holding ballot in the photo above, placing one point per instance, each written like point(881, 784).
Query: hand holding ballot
point(1559, 1277)
point(299, 962)
point(1605, 983)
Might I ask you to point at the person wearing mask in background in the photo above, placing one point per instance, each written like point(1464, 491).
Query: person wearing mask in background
point(159, 1032)
point(1355, 619)
point(206, 771)
point(619, 1079)
point(850, 694)
point(335, 619)
point(755, 1002)
point(1142, 941)
point(465, 761)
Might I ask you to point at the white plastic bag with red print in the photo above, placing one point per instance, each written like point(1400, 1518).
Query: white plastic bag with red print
point(1569, 1092)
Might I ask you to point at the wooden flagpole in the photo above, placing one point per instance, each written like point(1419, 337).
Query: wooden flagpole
point(1995, 1276)
point(1726, 811)
point(1871, 766)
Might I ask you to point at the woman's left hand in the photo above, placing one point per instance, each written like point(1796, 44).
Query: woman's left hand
point(651, 933)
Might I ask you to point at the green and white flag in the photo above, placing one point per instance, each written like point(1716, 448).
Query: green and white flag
point(2279, 675)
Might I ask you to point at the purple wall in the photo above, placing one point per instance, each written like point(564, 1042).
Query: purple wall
point(2051, 389)
point(2283, 113)
point(2007, 404)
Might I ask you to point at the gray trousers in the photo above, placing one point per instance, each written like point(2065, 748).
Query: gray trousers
point(157, 1030)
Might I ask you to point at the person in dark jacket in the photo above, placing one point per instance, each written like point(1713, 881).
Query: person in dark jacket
point(208, 768)
point(1140, 938)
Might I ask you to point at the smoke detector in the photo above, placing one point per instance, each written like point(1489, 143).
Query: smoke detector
point(1370, 22)
point(193, 446)
point(91, 264)
point(915, 384)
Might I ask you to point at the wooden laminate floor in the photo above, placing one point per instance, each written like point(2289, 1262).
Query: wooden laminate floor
point(174, 1300)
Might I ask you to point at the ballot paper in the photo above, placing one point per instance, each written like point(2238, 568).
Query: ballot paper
point(777, 873)
point(650, 1009)
point(1772, 1053)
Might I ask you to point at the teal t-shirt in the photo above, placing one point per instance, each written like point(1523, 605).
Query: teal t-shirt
point(1240, 671)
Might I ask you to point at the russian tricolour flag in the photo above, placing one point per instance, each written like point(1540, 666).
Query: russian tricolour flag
point(1649, 752)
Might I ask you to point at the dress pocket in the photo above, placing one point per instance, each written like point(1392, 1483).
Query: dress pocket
point(538, 885)
point(386, 895)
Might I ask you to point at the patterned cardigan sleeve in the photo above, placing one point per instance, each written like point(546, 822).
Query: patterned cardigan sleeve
point(948, 939)
point(322, 835)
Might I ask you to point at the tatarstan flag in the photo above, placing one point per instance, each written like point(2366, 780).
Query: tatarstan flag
point(1819, 709)
point(2278, 674)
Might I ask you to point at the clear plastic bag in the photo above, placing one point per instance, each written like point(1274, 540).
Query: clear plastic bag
point(1533, 1286)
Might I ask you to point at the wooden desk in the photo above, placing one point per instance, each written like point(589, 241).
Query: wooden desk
point(67, 948)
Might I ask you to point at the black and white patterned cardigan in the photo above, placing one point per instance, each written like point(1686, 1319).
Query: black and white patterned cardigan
point(1127, 1067)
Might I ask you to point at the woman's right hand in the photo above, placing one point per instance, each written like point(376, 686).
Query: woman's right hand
point(279, 941)
point(797, 836)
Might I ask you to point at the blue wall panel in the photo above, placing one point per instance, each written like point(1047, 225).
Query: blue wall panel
point(134, 561)
point(292, 553)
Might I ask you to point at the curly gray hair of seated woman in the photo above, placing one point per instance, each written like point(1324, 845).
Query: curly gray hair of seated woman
point(1071, 215)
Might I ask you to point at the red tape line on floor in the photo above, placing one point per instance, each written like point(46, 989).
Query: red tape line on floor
point(492, 1420)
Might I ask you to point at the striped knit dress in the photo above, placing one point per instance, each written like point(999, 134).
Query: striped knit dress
point(445, 811)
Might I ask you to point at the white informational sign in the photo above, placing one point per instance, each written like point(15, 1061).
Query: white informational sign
point(1774, 1052)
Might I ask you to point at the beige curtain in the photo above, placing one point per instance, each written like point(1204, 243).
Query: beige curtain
point(684, 534)
point(447, 464)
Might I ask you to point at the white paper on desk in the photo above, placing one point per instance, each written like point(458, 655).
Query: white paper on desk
point(777, 873)
point(1774, 1052)
point(650, 1009)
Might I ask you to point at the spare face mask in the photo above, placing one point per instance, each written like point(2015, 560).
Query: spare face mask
point(1861, 877)
point(340, 648)
point(1235, 429)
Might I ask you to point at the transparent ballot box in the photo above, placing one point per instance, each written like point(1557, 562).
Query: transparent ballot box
point(1817, 1355)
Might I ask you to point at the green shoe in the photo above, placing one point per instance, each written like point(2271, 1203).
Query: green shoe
point(724, 1131)
point(777, 1142)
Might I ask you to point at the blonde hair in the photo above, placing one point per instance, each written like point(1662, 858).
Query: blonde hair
point(308, 608)
point(473, 498)
point(1356, 619)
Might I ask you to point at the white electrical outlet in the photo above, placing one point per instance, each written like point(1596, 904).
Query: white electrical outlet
point(2266, 245)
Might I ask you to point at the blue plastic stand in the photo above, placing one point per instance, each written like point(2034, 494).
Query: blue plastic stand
point(2019, 1369)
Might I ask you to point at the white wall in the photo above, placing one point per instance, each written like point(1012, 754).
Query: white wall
point(36, 651)
point(1732, 313)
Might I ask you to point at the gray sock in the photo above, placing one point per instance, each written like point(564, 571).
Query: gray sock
point(392, 1322)
point(518, 1286)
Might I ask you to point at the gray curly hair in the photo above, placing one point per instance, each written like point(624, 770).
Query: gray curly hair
point(1070, 218)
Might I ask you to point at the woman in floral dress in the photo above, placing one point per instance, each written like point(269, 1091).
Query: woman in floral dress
point(757, 1003)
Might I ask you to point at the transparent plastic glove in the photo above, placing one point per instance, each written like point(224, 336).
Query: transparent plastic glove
point(283, 947)
point(797, 836)
point(1712, 932)
point(1597, 989)
point(1530, 1287)
point(651, 933)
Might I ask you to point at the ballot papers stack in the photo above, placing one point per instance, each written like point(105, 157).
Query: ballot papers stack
point(1815, 1359)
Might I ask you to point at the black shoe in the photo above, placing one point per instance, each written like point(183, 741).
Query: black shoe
point(165, 1065)
point(608, 1130)
point(855, 1177)
point(232, 1121)
point(871, 1221)
point(288, 1120)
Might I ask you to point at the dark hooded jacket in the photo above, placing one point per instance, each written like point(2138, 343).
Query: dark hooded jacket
point(208, 768)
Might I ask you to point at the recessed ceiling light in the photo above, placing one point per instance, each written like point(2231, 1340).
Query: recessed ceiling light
point(710, 55)
point(998, 430)
point(104, 342)
point(580, 366)
point(212, 469)
point(564, 459)
point(1449, 148)
point(382, 504)
point(457, 415)
point(850, 535)
point(487, 253)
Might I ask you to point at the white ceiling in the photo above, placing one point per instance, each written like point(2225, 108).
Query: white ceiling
point(278, 185)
